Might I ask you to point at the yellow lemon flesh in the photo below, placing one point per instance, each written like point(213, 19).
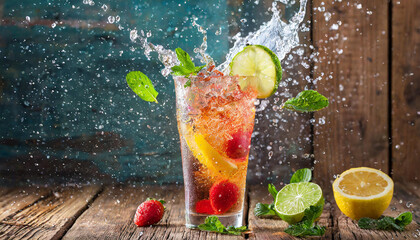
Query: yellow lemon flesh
point(208, 156)
point(363, 192)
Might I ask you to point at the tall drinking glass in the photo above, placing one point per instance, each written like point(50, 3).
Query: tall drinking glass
point(215, 123)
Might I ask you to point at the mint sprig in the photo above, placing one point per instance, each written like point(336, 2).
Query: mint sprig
point(306, 101)
point(142, 86)
point(186, 67)
point(306, 227)
point(213, 224)
point(261, 209)
point(387, 223)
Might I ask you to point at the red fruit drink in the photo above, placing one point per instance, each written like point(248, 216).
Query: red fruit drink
point(215, 123)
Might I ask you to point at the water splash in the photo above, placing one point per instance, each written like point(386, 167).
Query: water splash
point(277, 35)
point(166, 57)
point(280, 36)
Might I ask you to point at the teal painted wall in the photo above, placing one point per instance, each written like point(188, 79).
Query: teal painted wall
point(66, 113)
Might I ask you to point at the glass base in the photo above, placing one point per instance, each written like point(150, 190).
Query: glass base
point(195, 219)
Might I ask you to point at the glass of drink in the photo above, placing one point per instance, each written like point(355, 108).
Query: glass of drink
point(215, 123)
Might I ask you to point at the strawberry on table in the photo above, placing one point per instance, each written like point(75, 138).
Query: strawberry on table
point(223, 195)
point(149, 212)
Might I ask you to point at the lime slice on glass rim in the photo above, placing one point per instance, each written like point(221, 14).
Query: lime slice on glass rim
point(293, 199)
point(261, 69)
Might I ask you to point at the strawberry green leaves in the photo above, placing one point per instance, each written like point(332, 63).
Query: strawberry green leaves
point(186, 67)
point(307, 101)
point(142, 86)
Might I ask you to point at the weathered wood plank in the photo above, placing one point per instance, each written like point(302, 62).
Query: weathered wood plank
point(345, 228)
point(405, 90)
point(14, 200)
point(272, 228)
point(353, 70)
point(111, 216)
point(50, 217)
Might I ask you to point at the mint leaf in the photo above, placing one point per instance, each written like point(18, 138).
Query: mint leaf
point(404, 219)
point(186, 67)
point(387, 223)
point(142, 86)
point(180, 71)
point(311, 214)
point(262, 209)
point(306, 101)
point(188, 83)
point(213, 224)
point(302, 175)
point(185, 59)
point(272, 190)
point(306, 226)
point(300, 230)
point(236, 231)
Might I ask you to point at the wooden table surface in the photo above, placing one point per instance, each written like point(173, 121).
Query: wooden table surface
point(106, 212)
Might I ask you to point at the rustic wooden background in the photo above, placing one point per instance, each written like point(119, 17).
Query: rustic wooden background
point(369, 68)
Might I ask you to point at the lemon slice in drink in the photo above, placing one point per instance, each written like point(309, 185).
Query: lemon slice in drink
point(293, 199)
point(208, 156)
point(363, 192)
point(261, 69)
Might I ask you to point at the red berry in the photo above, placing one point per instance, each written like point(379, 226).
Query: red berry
point(238, 146)
point(148, 213)
point(223, 195)
point(204, 206)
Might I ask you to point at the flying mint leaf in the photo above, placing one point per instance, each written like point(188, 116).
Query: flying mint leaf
point(306, 101)
point(186, 67)
point(302, 175)
point(213, 224)
point(142, 86)
point(180, 71)
point(262, 209)
point(387, 223)
point(272, 190)
point(185, 59)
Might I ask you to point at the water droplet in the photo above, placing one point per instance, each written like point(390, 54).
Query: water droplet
point(104, 7)
point(133, 35)
point(409, 204)
point(327, 16)
point(334, 27)
point(111, 19)
point(28, 18)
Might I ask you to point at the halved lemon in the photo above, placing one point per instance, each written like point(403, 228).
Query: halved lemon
point(363, 192)
point(208, 155)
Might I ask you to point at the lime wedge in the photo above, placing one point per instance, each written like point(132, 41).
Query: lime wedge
point(293, 199)
point(261, 69)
